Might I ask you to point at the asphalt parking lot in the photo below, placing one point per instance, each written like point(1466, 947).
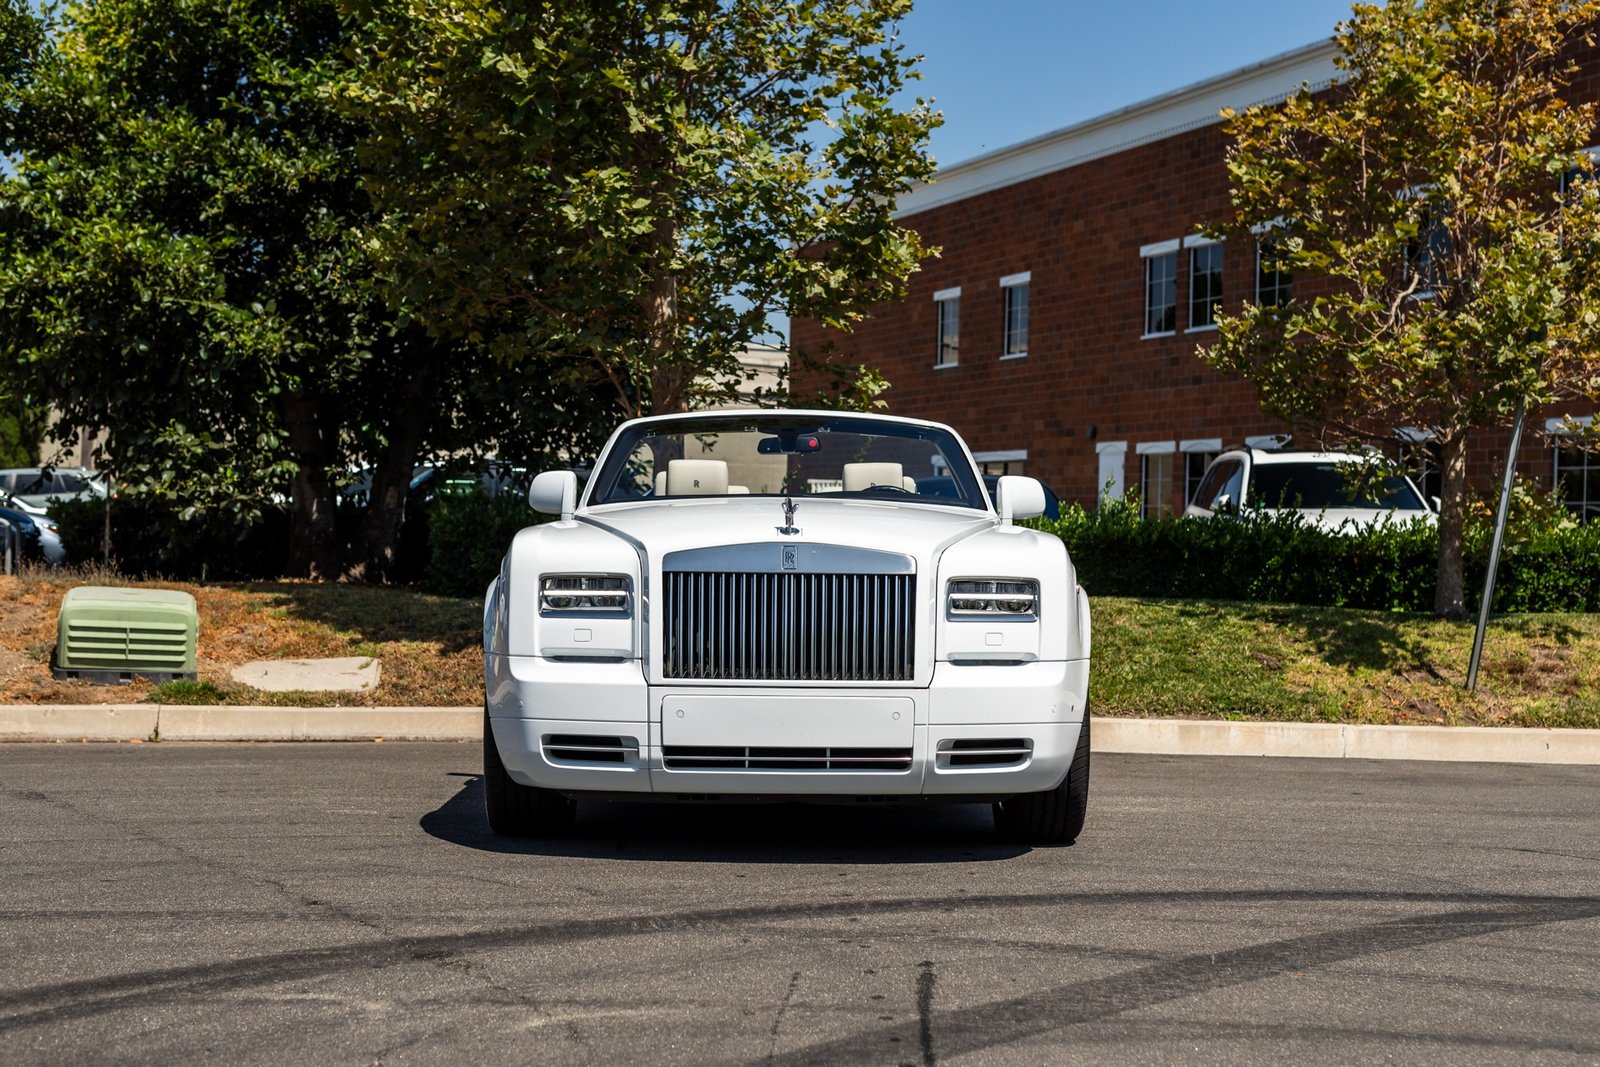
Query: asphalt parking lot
point(258, 903)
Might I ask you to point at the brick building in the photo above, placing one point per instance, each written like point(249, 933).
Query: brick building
point(1057, 330)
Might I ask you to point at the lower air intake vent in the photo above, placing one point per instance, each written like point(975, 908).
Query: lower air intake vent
point(583, 748)
point(729, 758)
point(984, 752)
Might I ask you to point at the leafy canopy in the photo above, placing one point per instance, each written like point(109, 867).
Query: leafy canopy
point(637, 186)
point(1441, 223)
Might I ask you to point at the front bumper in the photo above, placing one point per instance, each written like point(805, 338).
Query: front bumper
point(978, 731)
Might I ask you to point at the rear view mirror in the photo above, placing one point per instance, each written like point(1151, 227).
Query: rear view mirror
point(788, 443)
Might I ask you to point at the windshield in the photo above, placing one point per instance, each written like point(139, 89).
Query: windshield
point(1329, 484)
point(777, 455)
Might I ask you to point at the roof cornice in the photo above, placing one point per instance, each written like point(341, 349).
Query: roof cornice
point(1179, 111)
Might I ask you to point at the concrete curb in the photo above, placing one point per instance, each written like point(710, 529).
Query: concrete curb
point(1174, 737)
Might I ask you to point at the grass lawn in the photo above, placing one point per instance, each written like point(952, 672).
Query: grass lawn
point(1152, 657)
point(1284, 662)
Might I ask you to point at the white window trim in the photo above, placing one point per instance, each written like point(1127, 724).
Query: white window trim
point(1201, 444)
point(947, 294)
point(1190, 244)
point(1102, 447)
point(1160, 248)
point(1413, 436)
point(1007, 282)
point(1261, 229)
point(1155, 448)
point(1016, 455)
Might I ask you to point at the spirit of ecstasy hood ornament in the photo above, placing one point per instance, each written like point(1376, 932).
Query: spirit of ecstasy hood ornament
point(788, 527)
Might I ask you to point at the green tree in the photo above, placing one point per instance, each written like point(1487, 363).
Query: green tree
point(184, 260)
point(1443, 230)
point(631, 188)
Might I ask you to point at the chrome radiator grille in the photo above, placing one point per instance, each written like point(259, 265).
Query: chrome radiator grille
point(789, 627)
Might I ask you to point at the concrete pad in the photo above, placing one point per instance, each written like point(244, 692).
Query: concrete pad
point(196, 723)
point(343, 674)
point(78, 722)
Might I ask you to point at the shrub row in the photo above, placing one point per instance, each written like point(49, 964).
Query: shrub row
point(1283, 558)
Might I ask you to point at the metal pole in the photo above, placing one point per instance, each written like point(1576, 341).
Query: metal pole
point(1494, 547)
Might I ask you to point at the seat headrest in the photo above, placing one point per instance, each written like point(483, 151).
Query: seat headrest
point(697, 477)
point(859, 476)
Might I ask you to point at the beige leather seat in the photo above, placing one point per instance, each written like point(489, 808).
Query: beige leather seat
point(697, 477)
point(859, 476)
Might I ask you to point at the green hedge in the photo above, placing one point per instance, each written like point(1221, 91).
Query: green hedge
point(1283, 558)
point(153, 538)
point(467, 537)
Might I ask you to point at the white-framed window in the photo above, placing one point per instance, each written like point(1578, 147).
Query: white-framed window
point(1571, 177)
point(1274, 283)
point(1427, 251)
point(1014, 341)
point(1205, 282)
point(947, 350)
point(1197, 456)
point(1576, 473)
point(1160, 288)
point(1009, 461)
point(1155, 477)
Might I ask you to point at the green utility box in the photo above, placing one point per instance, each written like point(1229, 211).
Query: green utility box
point(110, 634)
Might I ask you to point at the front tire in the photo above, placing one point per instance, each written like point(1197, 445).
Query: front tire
point(1055, 816)
point(517, 810)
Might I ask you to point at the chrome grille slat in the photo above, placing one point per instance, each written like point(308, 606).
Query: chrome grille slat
point(722, 626)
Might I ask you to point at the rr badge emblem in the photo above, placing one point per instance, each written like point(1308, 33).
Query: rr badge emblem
point(791, 558)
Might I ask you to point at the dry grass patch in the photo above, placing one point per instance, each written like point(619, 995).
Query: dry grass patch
point(428, 646)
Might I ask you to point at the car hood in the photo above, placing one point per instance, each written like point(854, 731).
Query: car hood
point(1334, 519)
point(665, 526)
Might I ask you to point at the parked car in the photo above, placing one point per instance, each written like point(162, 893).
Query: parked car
point(765, 605)
point(431, 480)
point(39, 537)
point(1333, 490)
point(944, 485)
point(38, 487)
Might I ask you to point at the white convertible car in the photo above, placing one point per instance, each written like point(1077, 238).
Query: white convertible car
point(759, 605)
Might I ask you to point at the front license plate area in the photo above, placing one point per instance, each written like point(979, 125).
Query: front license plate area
point(781, 721)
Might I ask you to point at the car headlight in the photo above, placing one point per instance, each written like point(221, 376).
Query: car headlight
point(993, 597)
point(588, 594)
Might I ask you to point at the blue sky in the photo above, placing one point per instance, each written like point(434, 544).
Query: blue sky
point(1003, 71)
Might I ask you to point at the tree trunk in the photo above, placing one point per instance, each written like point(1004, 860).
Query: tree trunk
point(669, 381)
point(1449, 600)
point(313, 536)
point(405, 423)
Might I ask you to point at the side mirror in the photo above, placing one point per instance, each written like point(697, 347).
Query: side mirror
point(1222, 505)
point(554, 493)
point(1017, 497)
point(1438, 505)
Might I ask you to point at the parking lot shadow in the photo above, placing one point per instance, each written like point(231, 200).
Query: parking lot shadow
point(741, 833)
